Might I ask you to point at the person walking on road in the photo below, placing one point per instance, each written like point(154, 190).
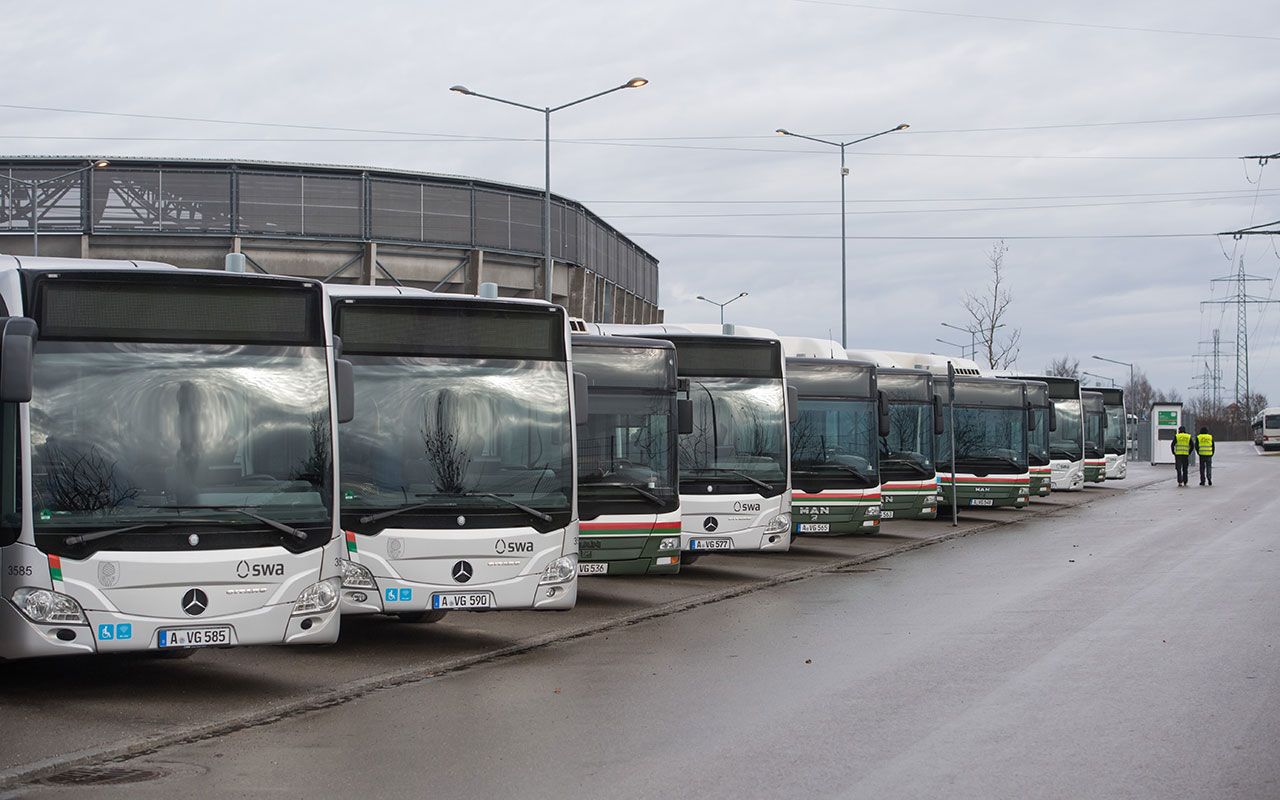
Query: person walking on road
point(1204, 449)
point(1181, 447)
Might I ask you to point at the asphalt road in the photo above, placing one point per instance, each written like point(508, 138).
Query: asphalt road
point(1120, 648)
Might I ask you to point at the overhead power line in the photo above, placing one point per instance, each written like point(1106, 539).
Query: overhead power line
point(1029, 21)
point(918, 237)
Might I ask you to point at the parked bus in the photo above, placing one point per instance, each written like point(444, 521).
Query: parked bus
point(1038, 438)
point(171, 482)
point(628, 497)
point(908, 480)
point(458, 479)
point(1095, 434)
point(1266, 429)
point(835, 471)
point(1066, 440)
point(735, 465)
point(992, 420)
point(1116, 441)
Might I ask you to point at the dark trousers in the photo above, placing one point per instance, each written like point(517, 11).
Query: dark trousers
point(1206, 470)
point(1180, 464)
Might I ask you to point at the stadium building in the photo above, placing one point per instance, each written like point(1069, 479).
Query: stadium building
point(337, 224)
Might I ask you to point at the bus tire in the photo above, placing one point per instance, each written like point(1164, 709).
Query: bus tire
point(434, 615)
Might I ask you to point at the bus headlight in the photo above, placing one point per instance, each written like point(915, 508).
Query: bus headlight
point(1024, 490)
point(669, 543)
point(873, 511)
point(42, 605)
point(356, 576)
point(317, 598)
point(559, 571)
point(779, 524)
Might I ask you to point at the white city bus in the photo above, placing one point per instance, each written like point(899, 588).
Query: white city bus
point(735, 465)
point(1266, 429)
point(1116, 442)
point(171, 482)
point(628, 496)
point(458, 479)
point(1066, 440)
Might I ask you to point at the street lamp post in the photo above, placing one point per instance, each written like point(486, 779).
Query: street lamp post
point(1127, 400)
point(33, 187)
point(844, 173)
point(953, 344)
point(973, 337)
point(722, 305)
point(547, 111)
point(1099, 377)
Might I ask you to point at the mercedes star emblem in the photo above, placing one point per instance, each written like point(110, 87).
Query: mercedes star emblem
point(461, 572)
point(195, 602)
point(710, 524)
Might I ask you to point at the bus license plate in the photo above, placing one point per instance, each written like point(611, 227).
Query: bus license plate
point(815, 527)
point(711, 544)
point(194, 637)
point(981, 501)
point(462, 600)
point(886, 515)
point(585, 568)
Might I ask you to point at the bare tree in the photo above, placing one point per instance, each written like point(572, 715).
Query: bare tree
point(988, 312)
point(1065, 367)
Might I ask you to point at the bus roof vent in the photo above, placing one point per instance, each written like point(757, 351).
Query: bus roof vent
point(577, 325)
point(488, 290)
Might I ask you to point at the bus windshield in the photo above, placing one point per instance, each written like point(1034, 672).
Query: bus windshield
point(1067, 442)
point(988, 440)
point(1115, 438)
point(173, 442)
point(626, 458)
point(833, 445)
point(907, 452)
point(452, 438)
point(739, 435)
point(1094, 434)
point(1038, 440)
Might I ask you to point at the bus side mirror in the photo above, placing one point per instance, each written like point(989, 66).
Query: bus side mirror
point(684, 415)
point(882, 406)
point(345, 379)
point(580, 398)
point(1031, 418)
point(793, 404)
point(1053, 417)
point(17, 351)
point(937, 416)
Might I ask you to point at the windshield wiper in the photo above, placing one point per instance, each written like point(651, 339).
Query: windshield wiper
point(742, 475)
point(533, 512)
point(988, 459)
point(854, 471)
point(404, 509)
point(1067, 454)
point(280, 526)
point(647, 495)
point(907, 462)
point(89, 537)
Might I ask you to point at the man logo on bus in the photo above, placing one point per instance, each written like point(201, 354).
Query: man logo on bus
point(710, 524)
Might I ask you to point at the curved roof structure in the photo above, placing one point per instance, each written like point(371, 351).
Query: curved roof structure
point(342, 224)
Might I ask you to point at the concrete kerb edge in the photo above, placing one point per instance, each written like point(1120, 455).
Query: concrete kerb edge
point(353, 690)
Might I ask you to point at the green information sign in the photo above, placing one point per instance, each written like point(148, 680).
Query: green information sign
point(1166, 417)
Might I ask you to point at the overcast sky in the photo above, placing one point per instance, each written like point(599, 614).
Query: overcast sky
point(1100, 140)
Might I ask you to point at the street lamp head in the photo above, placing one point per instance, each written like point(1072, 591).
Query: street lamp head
point(636, 83)
point(744, 294)
point(460, 89)
point(700, 297)
point(902, 127)
point(784, 131)
point(100, 163)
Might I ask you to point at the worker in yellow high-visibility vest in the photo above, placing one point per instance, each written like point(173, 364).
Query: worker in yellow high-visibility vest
point(1181, 447)
point(1204, 449)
